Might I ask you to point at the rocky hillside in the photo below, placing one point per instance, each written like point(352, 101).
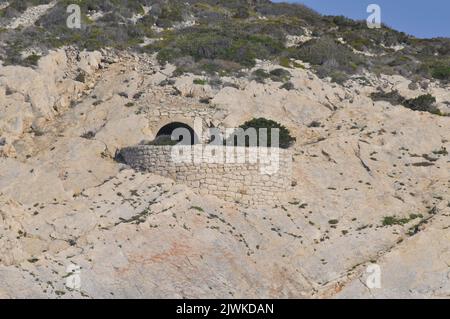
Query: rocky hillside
point(215, 36)
point(368, 109)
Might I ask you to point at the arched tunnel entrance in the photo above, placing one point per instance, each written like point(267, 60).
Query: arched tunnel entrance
point(187, 136)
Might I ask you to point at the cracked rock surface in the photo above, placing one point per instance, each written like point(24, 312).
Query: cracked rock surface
point(372, 185)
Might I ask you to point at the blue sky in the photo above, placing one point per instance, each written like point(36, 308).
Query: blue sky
point(421, 18)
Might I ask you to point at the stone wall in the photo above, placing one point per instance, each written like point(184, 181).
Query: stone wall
point(251, 176)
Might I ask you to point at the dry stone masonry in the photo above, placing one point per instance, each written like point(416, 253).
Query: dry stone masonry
point(250, 176)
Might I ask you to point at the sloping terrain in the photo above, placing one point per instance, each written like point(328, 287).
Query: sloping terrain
point(371, 180)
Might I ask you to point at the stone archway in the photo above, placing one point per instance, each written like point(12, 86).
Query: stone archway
point(168, 129)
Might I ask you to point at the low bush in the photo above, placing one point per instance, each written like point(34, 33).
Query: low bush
point(342, 21)
point(242, 13)
point(81, 77)
point(225, 41)
point(228, 37)
point(90, 135)
point(441, 72)
point(200, 82)
point(423, 103)
point(22, 5)
point(267, 8)
point(276, 75)
point(330, 57)
point(392, 97)
point(288, 86)
point(280, 75)
point(394, 220)
point(31, 60)
point(260, 75)
point(285, 138)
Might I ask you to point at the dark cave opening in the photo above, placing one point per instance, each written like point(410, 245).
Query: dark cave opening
point(188, 137)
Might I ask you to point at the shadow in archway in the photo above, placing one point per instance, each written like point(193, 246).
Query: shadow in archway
point(165, 133)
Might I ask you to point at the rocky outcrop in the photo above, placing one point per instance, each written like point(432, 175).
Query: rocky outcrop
point(65, 201)
point(29, 98)
point(30, 16)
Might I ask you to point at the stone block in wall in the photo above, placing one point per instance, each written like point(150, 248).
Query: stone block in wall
point(195, 184)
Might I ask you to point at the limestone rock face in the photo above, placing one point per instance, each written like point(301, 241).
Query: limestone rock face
point(39, 86)
point(188, 86)
point(417, 268)
point(370, 184)
point(30, 16)
point(89, 61)
point(30, 97)
point(311, 100)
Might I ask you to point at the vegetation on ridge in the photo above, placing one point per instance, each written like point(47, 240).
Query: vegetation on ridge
point(423, 103)
point(226, 36)
point(285, 139)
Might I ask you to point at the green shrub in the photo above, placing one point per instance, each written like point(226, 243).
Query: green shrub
point(330, 57)
point(228, 37)
point(443, 151)
point(223, 41)
point(424, 103)
point(285, 62)
point(276, 75)
point(242, 13)
point(200, 81)
point(319, 51)
point(393, 220)
point(90, 135)
point(360, 44)
point(288, 86)
point(285, 138)
point(392, 97)
point(81, 77)
point(171, 12)
point(286, 10)
point(441, 72)
point(280, 75)
point(31, 60)
point(338, 77)
point(260, 75)
point(197, 208)
point(343, 21)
